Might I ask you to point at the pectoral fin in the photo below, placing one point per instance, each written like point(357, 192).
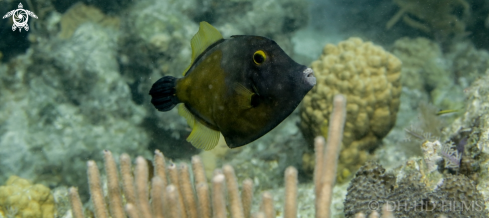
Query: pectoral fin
point(245, 96)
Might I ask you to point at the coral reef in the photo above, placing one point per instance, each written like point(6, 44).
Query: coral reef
point(428, 69)
point(422, 63)
point(19, 198)
point(472, 128)
point(370, 78)
point(156, 44)
point(77, 83)
point(409, 196)
point(266, 159)
point(175, 196)
point(81, 13)
point(181, 200)
point(63, 102)
point(433, 16)
point(425, 66)
point(467, 62)
point(62, 202)
point(439, 77)
point(370, 184)
point(270, 18)
point(109, 6)
point(83, 81)
point(153, 44)
point(434, 152)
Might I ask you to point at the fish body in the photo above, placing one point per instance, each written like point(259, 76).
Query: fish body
point(447, 112)
point(241, 87)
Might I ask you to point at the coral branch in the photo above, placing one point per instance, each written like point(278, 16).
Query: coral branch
point(96, 189)
point(76, 205)
point(330, 158)
point(114, 191)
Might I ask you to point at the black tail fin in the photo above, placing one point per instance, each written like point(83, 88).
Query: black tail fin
point(163, 93)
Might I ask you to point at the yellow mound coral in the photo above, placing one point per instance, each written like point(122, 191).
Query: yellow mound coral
point(19, 198)
point(370, 78)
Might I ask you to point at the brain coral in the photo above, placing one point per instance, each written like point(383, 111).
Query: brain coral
point(20, 198)
point(369, 77)
point(454, 196)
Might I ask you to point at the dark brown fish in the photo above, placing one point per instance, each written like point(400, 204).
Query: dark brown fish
point(242, 87)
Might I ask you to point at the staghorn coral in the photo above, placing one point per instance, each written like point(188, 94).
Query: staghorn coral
point(19, 198)
point(369, 77)
point(434, 17)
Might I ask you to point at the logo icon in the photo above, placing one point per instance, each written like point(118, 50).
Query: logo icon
point(20, 18)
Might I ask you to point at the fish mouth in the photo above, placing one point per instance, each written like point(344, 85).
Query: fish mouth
point(308, 75)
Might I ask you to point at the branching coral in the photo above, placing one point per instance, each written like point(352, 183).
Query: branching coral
point(184, 198)
point(435, 17)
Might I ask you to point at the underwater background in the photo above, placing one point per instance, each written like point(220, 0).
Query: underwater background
point(415, 75)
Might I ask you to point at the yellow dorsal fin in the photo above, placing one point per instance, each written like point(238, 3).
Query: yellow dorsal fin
point(244, 95)
point(201, 137)
point(206, 36)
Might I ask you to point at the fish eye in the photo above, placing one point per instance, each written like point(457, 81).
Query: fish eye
point(259, 57)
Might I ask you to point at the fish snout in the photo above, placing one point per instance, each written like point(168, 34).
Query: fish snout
point(308, 75)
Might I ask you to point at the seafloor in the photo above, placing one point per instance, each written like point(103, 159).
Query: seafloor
point(415, 74)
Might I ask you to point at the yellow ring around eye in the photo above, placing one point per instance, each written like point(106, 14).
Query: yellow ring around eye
point(259, 57)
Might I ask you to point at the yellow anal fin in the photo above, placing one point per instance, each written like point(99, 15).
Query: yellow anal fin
point(201, 137)
point(185, 113)
point(244, 96)
point(205, 37)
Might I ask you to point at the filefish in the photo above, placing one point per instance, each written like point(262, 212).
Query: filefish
point(238, 88)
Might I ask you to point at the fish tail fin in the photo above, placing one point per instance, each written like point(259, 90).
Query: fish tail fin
point(163, 93)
